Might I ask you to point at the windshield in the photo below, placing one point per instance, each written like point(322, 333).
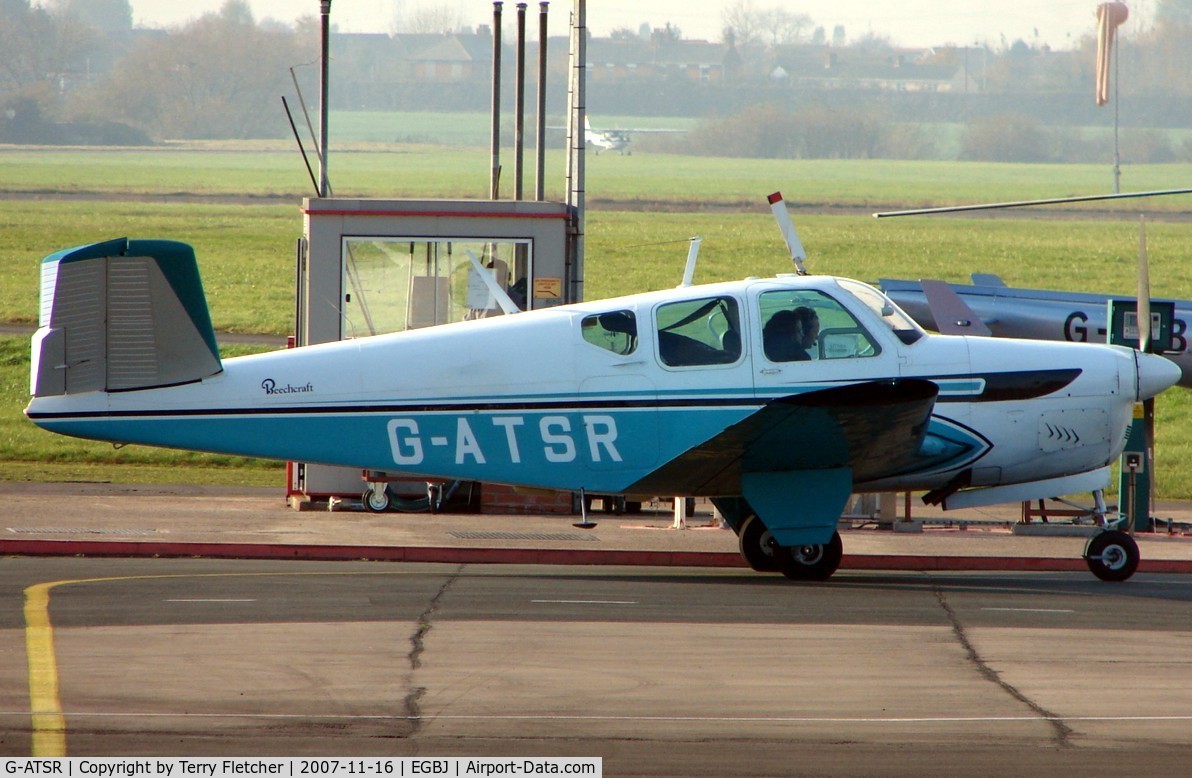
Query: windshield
point(891, 315)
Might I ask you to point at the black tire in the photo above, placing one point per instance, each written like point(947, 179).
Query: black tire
point(1112, 555)
point(813, 563)
point(375, 503)
point(758, 547)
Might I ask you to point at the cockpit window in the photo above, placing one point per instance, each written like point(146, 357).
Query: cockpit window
point(800, 325)
point(894, 317)
point(705, 331)
point(615, 331)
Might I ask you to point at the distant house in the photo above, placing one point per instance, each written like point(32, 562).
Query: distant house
point(443, 58)
point(447, 59)
point(364, 56)
point(630, 60)
point(892, 70)
point(384, 71)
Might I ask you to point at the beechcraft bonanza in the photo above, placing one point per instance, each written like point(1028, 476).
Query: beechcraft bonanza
point(775, 397)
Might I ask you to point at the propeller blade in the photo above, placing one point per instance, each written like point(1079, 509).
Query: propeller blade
point(1144, 290)
point(1027, 203)
point(486, 276)
point(787, 228)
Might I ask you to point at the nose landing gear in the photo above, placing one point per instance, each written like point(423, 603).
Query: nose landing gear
point(1112, 555)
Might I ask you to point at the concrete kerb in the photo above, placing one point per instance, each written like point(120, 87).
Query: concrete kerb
point(563, 557)
point(227, 523)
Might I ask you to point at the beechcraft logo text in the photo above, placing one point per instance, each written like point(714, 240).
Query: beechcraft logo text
point(270, 386)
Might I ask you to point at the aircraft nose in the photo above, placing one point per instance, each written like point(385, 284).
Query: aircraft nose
point(1155, 374)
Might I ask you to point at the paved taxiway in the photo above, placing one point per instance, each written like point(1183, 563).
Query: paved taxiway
point(661, 671)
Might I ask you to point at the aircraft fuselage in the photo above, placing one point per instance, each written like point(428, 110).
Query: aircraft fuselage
point(603, 395)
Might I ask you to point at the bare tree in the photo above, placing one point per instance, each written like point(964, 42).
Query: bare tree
point(428, 19)
point(745, 22)
point(667, 34)
point(26, 38)
point(106, 15)
point(217, 77)
point(772, 26)
point(783, 28)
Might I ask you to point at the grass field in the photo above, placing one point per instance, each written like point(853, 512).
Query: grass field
point(246, 248)
point(470, 129)
point(30, 454)
point(474, 129)
point(246, 252)
point(275, 170)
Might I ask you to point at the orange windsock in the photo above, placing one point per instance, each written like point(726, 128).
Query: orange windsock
point(1109, 17)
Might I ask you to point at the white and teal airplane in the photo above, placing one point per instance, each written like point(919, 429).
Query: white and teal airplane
point(686, 391)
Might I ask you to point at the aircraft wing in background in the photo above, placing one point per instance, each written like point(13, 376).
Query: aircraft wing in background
point(1041, 314)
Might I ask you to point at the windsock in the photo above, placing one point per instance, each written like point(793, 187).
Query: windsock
point(1109, 17)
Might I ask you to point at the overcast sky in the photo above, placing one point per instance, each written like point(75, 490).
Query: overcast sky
point(1059, 23)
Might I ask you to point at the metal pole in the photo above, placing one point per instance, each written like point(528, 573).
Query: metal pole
point(494, 181)
point(576, 137)
point(540, 129)
point(325, 17)
point(1117, 159)
point(519, 103)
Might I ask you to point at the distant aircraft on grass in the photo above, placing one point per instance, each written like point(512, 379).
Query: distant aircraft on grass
point(617, 140)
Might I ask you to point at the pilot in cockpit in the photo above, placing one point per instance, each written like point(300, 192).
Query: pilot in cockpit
point(789, 334)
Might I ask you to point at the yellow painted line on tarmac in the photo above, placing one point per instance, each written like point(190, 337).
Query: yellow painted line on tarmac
point(45, 704)
point(49, 725)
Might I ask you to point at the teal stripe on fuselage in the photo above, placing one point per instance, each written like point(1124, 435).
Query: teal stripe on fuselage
point(599, 441)
point(599, 449)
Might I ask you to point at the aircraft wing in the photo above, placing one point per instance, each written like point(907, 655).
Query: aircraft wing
point(873, 429)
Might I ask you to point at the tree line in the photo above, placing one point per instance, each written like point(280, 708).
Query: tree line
point(76, 71)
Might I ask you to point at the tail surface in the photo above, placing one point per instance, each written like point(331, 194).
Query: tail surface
point(121, 315)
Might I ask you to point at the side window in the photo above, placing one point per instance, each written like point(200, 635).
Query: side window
point(803, 325)
point(615, 331)
point(706, 331)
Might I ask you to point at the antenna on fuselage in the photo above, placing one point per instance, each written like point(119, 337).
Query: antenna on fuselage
point(692, 256)
point(787, 228)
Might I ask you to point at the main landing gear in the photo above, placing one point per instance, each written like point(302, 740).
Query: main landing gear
point(1112, 555)
point(798, 563)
